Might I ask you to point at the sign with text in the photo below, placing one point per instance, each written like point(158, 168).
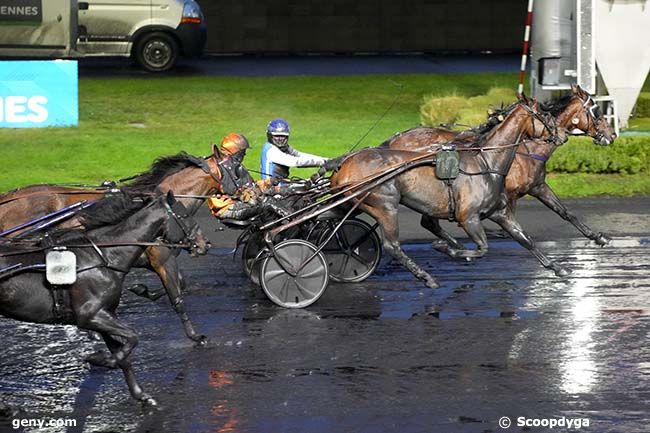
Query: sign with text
point(35, 94)
point(21, 11)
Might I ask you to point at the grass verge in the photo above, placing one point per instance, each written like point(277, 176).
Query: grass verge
point(584, 185)
point(125, 123)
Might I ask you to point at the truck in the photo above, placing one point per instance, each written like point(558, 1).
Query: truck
point(155, 33)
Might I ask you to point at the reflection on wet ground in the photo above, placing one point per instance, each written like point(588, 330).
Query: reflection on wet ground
point(501, 337)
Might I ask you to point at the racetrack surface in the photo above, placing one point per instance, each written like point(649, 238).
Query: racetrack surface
point(500, 337)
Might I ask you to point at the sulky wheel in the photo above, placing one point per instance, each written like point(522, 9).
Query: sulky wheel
point(353, 253)
point(316, 229)
point(288, 279)
point(251, 257)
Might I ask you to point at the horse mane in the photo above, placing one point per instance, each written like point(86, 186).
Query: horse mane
point(481, 130)
point(162, 167)
point(557, 106)
point(484, 129)
point(113, 209)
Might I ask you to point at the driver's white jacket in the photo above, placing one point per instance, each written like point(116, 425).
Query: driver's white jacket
point(272, 157)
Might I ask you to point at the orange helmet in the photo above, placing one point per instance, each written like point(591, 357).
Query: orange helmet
point(233, 143)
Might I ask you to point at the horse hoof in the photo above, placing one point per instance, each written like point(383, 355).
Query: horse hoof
point(561, 272)
point(7, 412)
point(154, 296)
point(602, 239)
point(200, 340)
point(148, 401)
point(139, 290)
point(438, 244)
point(101, 359)
point(432, 284)
point(95, 336)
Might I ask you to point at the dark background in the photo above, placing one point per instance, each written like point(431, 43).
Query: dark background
point(358, 26)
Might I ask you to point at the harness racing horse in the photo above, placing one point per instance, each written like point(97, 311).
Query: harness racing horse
point(104, 255)
point(182, 173)
point(475, 194)
point(577, 113)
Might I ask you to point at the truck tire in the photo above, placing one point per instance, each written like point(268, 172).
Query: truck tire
point(156, 52)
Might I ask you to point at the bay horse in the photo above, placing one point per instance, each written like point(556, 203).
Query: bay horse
point(104, 255)
point(576, 112)
point(476, 193)
point(182, 173)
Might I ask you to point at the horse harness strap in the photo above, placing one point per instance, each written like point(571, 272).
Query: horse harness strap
point(447, 165)
point(534, 156)
point(61, 309)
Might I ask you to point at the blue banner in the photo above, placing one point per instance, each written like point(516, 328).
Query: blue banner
point(36, 94)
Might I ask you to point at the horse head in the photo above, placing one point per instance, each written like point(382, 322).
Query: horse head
point(597, 125)
point(580, 114)
point(181, 228)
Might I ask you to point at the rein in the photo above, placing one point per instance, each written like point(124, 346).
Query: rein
point(76, 192)
point(94, 245)
point(390, 107)
point(111, 188)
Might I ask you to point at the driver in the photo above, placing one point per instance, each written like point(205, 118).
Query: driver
point(278, 156)
point(242, 197)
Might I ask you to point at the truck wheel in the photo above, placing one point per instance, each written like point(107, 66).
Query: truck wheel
point(156, 52)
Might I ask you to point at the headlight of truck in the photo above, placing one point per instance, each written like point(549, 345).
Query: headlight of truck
point(192, 13)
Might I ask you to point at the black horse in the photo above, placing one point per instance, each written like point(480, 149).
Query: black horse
point(187, 176)
point(120, 230)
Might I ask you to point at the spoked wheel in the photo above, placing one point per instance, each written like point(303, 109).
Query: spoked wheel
point(251, 257)
point(353, 253)
point(316, 230)
point(289, 280)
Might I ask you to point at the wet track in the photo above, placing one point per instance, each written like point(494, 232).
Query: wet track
point(501, 337)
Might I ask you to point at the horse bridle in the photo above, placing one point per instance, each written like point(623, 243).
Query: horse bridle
point(594, 113)
point(186, 223)
point(546, 119)
point(552, 139)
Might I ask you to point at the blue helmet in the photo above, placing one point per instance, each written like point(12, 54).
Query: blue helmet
point(278, 127)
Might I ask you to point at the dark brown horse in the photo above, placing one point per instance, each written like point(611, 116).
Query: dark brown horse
point(104, 256)
point(182, 174)
point(477, 192)
point(577, 113)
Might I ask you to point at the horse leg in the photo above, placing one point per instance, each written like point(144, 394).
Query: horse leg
point(134, 388)
point(110, 327)
point(170, 276)
point(140, 289)
point(388, 221)
point(447, 243)
point(505, 219)
point(107, 323)
point(545, 194)
point(476, 233)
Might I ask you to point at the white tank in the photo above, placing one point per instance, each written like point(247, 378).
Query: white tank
point(572, 41)
point(622, 45)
